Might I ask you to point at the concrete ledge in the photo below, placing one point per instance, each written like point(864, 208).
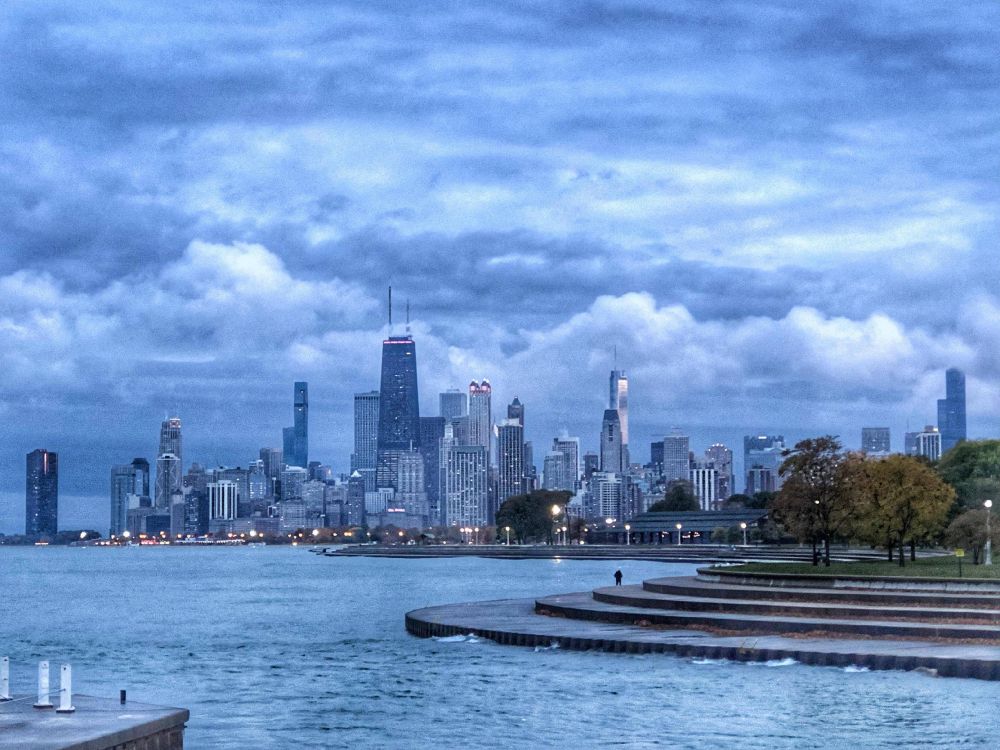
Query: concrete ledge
point(514, 622)
point(737, 577)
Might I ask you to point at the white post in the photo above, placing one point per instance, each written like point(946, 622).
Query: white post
point(43, 686)
point(66, 690)
point(5, 679)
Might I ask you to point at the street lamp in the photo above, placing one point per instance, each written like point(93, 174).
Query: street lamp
point(555, 515)
point(679, 527)
point(507, 529)
point(989, 550)
point(628, 534)
point(476, 539)
point(743, 526)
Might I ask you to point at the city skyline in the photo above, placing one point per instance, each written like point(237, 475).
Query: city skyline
point(752, 206)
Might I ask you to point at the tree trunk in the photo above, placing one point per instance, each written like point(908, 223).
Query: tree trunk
point(913, 550)
point(902, 554)
point(888, 546)
point(826, 551)
point(815, 553)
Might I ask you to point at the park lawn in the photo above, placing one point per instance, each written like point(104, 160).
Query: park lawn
point(927, 567)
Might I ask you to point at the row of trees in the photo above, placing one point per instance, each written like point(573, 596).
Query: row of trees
point(893, 502)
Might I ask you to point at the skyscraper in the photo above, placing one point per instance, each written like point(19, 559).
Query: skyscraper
point(295, 439)
point(611, 443)
point(510, 459)
point(928, 443)
point(41, 494)
point(480, 414)
point(466, 490)
point(618, 399)
point(168, 463)
point(515, 411)
point(127, 481)
point(676, 458)
point(951, 410)
point(875, 441)
point(398, 409)
point(453, 403)
point(721, 458)
point(364, 458)
point(431, 435)
point(570, 448)
point(762, 459)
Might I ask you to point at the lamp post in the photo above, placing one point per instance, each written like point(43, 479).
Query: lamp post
point(507, 529)
point(628, 535)
point(989, 550)
point(476, 538)
point(555, 529)
point(743, 526)
point(679, 527)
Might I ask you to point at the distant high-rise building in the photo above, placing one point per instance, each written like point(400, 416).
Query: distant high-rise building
point(223, 500)
point(354, 507)
point(431, 435)
point(466, 474)
point(721, 458)
point(411, 494)
point(591, 463)
point(510, 458)
point(763, 452)
point(365, 456)
point(272, 462)
point(515, 411)
point(607, 491)
point(481, 415)
point(612, 458)
point(705, 483)
point(676, 458)
point(399, 407)
point(618, 400)
point(453, 403)
point(875, 441)
point(295, 439)
point(168, 464)
point(127, 481)
point(927, 443)
point(951, 410)
point(555, 471)
point(656, 457)
point(41, 494)
point(570, 448)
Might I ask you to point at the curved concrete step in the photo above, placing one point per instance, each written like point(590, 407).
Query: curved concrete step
point(692, 586)
point(704, 601)
point(583, 607)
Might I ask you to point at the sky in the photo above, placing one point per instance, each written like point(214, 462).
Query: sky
point(781, 214)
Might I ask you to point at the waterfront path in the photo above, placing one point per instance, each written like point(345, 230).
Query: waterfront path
point(953, 635)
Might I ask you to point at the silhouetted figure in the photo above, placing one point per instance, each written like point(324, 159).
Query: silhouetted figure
point(618, 578)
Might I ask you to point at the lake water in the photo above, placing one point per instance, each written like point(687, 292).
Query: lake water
point(277, 647)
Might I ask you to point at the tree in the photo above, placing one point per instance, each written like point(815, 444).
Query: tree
point(737, 501)
point(968, 531)
point(898, 499)
point(973, 469)
point(679, 497)
point(812, 503)
point(530, 516)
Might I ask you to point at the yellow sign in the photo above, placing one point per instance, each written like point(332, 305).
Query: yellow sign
point(960, 553)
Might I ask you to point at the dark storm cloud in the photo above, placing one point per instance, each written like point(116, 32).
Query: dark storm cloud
point(771, 208)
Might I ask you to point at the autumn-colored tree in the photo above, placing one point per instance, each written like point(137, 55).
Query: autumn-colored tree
point(898, 500)
point(813, 503)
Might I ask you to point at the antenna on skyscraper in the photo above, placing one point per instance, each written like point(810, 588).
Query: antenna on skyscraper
point(407, 315)
point(390, 308)
point(616, 356)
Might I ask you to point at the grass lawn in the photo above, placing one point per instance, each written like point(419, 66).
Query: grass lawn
point(929, 567)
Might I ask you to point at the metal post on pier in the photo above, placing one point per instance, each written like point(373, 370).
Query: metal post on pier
point(5, 679)
point(66, 690)
point(43, 686)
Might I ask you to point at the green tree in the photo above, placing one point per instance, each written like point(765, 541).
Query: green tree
point(679, 497)
point(968, 531)
point(898, 499)
point(813, 504)
point(973, 468)
point(530, 516)
point(737, 501)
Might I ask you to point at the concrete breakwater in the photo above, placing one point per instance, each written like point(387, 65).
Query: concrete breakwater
point(954, 634)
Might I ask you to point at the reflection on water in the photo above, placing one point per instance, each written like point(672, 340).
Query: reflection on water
point(275, 647)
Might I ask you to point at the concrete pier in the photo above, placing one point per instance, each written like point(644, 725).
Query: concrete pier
point(96, 724)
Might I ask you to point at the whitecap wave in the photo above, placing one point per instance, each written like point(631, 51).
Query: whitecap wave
point(470, 638)
point(855, 669)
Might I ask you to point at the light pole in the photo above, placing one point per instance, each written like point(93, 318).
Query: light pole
point(679, 527)
point(743, 526)
point(475, 541)
point(555, 529)
point(989, 550)
point(507, 529)
point(628, 535)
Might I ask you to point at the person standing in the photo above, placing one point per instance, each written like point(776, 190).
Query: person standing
point(618, 578)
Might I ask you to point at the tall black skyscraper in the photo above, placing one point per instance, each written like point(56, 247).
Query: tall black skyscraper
point(398, 406)
point(295, 439)
point(951, 410)
point(41, 494)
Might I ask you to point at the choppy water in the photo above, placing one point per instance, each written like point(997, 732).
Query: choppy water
point(276, 647)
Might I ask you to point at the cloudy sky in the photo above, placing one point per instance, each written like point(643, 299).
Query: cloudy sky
point(783, 214)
